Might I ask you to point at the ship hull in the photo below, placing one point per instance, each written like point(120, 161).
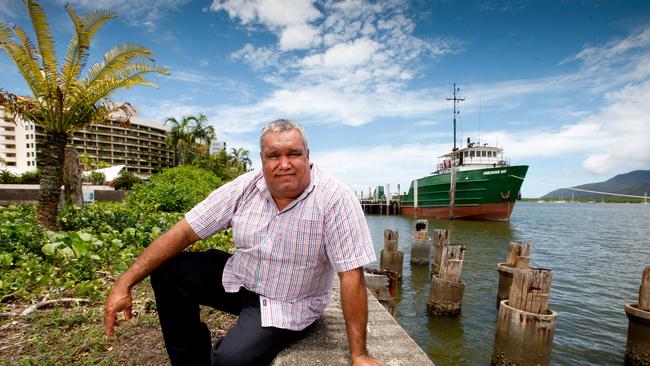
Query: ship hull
point(480, 194)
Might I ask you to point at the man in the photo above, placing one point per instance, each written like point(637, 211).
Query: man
point(293, 225)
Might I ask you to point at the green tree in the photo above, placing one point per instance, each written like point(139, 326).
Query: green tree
point(190, 136)
point(241, 159)
point(63, 101)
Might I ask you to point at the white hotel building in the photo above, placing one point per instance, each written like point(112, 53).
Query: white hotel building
point(139, 144)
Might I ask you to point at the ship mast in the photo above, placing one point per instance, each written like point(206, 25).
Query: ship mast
point(456, 112)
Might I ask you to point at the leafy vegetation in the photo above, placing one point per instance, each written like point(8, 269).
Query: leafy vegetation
point(189, 137)
point(125, 180)
point(100, 240)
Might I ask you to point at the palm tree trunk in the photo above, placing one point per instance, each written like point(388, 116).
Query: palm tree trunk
point(52, 158)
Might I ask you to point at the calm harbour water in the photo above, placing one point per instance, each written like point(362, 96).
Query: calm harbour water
point(597, 253)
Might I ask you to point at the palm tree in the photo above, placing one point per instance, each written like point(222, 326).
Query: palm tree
point(180, 137)
point(188, 136)
point(241, 159)
point(63, 101)
point(202, 132)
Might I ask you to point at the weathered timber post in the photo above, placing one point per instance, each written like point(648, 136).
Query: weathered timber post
point(637, 351)
point(440, 237)
point(446, 294)
point(518, 257)
point(390, 257)
point(383, 285)
point(525, 326)
point(421, 243)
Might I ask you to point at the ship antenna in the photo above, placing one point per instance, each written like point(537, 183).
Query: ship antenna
point(456, 112)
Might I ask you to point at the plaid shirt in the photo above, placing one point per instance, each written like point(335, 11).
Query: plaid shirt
point(288, 257)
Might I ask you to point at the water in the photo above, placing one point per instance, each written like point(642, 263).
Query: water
point(597, 253)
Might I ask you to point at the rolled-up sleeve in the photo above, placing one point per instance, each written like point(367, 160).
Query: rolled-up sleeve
point(214, 213)
point(347, 238)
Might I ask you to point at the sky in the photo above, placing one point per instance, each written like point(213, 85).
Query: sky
point(561, 86)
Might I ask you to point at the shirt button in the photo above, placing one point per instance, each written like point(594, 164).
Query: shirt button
point(264, 302)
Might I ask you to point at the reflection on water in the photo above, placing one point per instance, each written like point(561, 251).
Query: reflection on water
point(597, 253)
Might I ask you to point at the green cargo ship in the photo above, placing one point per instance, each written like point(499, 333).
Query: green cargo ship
point(474, 182)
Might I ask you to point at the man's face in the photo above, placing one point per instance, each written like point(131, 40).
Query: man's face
point(285, 164)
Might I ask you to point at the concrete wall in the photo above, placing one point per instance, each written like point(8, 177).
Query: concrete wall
point(327, 341)
point(28, 193)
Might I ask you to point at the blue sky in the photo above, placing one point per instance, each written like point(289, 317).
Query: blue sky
point(562, 86)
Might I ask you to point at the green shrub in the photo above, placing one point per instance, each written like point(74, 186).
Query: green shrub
point(174, 190)
point(126, 180)
point(31, 177)
point(97, 178)
point(7, 177)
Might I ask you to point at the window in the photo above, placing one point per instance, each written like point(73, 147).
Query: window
point(483, 153)
point(466, 153)
point(471, 154)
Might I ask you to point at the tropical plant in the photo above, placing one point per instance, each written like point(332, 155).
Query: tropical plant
point(97, 178)
point(241, 159)
point(189, 137)
point(174, 190)
point(63, 101)
point(126, 179)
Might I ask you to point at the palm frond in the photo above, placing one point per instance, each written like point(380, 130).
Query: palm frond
point(25, 66)
point(30, 58)
point(77, 48)
point(44, 40)
point(116, 58)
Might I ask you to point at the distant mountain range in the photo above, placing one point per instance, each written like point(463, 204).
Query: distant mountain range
point(634, 183)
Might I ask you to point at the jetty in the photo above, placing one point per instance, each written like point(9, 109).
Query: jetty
point(381, 201)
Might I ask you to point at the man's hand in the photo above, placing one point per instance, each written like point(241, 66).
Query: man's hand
point(365, 360)
point(119, 299)
point(167, 245)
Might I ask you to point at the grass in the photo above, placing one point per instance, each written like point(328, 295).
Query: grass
point(74, 335)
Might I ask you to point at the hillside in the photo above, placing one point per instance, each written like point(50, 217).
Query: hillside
point(633, 183)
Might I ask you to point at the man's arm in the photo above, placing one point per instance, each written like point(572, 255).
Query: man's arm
point(354, 301)
point(166, 246)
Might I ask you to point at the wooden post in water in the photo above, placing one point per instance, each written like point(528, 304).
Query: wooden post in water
point(421, 243)
point(637, 350)
point(525, 326)
point(440, 237)
point(390, 257)
point(518, 257)
point(446, 294)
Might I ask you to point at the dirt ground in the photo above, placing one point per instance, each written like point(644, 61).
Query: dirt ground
point(74, 335)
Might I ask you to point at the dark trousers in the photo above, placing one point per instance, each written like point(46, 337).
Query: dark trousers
point(194, 278)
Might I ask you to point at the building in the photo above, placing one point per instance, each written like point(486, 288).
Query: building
point(217, 146)
point(135, 142)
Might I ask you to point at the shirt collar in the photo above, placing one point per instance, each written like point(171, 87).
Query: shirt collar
point(314, 175)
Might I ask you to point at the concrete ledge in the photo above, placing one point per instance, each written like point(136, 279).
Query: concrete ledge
point(327, 342)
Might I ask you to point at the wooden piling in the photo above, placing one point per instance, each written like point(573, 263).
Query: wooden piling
point(518, 257)
point(421, 244)
point(440, 237)
point(390, 257)
point(637, 350)
point(446, 293)
point(525, 326)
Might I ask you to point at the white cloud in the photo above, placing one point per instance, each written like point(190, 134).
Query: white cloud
point(297, 37)
point(389, 164)
point(257, 58)
point(289, 19)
